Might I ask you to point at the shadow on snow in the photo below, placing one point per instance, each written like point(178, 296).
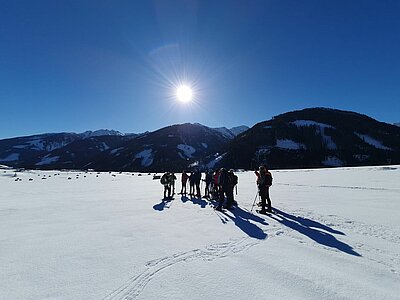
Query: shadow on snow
point(195, 200)
point(242, 219)
point(199, 201)
point(165, 203)
point(245, 220)
point(313, 230)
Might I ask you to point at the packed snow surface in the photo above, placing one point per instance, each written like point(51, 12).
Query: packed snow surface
point(39, 144)
point(211, 164)
point(332, 161)
point(103, 146)
point(146, 156)
point(300, 123)
point(116, 150)
point(289, 144)
point(187, 150)
point(335, 234)
point(371, 141)
point(48, 159)
point(329, 143)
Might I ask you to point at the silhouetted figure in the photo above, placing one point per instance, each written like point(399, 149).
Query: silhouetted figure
point(208, 181)
point(166, 183)
point(184, 179)
point(191, 184)
point(234, 180)
point(225, 189)
point(171, 180)
point(215, 190)
point(197, 179)
point(264, 181)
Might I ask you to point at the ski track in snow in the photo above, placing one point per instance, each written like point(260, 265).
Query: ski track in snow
point(342, 187)
point(135, 285)
point(390, 261)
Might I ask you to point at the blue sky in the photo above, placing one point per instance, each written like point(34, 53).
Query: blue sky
point(71, 66)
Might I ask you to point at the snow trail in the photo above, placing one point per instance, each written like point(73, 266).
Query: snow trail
point(135, 285)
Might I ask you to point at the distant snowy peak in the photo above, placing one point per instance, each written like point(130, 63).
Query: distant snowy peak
point(239, 129)
point(225, 132)
point(397, 124)
point(231, 133)
point(100, 132)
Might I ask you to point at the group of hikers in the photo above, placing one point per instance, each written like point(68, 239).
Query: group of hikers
point(219, 185)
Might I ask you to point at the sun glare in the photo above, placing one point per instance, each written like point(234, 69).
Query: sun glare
point(184, 93)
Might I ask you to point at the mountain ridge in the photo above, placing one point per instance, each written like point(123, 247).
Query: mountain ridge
point(312, 137)
point(316, 137)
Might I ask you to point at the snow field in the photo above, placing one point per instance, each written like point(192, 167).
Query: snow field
point(335, 235)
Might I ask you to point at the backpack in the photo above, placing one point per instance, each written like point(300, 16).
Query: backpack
point(224, 179)
point(209, 178)
point(265, 179)
point(164, 179)
point(234, 179)
point(221, 178)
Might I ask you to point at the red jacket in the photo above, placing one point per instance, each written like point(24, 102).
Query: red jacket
point(185, 177)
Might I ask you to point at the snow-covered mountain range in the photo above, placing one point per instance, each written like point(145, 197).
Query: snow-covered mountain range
point(232, 132)
point(315, 137)
point(172, 146)
point(100, 132)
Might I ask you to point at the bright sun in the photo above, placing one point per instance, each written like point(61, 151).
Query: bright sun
point(184, 93)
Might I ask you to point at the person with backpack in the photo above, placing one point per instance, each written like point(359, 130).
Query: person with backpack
point(184, 179)
point(208, 181)
point(215, 190)
point(264, 181)
point(234, 180)
point(167, 186)
point(225, 183)
point(197, 180)
point(191, 184)
point(171, 179)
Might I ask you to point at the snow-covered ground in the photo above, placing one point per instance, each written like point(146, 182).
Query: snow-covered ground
point(335, 235)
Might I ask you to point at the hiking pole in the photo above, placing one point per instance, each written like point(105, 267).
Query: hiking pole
point(255, 198)
point(236, 189)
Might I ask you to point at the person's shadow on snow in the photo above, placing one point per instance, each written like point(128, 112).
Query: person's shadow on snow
point(314, 230)
point(198, 201)
point(242, 219)
point(184, 199)
point(165, 203)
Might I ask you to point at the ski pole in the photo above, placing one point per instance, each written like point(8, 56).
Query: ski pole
point(255, 198)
